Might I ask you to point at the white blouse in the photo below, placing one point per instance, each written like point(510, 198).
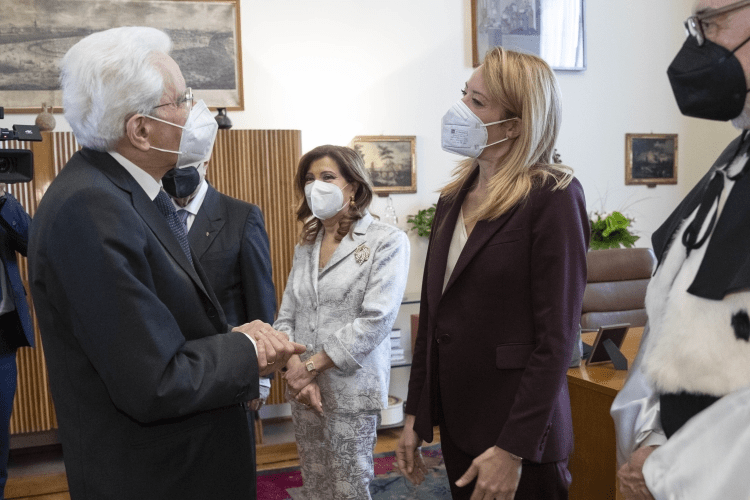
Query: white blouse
point(458, 241)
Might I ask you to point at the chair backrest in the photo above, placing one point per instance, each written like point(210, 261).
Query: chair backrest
point(616, 286)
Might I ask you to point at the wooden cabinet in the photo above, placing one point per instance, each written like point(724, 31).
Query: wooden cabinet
point(593, 463)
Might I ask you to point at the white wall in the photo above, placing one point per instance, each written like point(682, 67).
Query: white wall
point(625, 90)
point(339, 68)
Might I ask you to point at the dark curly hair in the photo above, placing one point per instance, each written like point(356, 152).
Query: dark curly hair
point(352, 168)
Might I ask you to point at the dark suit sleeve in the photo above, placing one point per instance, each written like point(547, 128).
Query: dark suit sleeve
point(258, 290)
point(560, 235)
point(137, 317)
point(15, 221)
point(418, 372)
point(419, 367)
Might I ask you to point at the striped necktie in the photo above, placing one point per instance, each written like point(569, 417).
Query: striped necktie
point(165, 206)
point(183, 215)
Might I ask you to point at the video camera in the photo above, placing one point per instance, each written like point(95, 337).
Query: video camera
point(17, 165)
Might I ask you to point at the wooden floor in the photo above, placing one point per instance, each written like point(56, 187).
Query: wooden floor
point(37, 473)
point(41, 475)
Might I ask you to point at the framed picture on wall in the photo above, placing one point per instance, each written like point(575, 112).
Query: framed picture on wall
point(36, 35)
point(651, 159)
point(552, 29)
point(391, 161)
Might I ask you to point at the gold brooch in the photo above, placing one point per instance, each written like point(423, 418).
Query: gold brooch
point(361, 254)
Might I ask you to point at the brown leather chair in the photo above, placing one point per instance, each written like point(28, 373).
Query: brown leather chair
point(616, 286)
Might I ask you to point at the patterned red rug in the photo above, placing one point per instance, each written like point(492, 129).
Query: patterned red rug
point(285, 484)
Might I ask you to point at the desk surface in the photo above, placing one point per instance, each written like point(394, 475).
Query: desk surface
point(604, 378)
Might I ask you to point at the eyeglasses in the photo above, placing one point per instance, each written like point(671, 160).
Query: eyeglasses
point(697, 28)
point(187, 99)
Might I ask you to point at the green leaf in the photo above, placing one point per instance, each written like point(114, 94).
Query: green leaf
point(611, 232)
point(422, 221)
point(614, 222)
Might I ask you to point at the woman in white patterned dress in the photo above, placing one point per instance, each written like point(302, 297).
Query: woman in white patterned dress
point(341, 299)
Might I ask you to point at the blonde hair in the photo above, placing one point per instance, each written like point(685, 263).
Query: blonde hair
point(526, 87)
point(352, 168)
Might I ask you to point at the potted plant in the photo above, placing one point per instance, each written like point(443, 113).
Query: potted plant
point(610, 230)
point(422, 221)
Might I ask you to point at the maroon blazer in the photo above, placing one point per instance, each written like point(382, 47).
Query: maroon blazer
point(504, 328)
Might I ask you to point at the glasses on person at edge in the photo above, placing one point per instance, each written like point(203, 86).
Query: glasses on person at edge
point(694, 24)
point(187, 99)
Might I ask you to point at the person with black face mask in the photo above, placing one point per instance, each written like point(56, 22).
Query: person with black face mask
point(681, 418)
point(228, 237)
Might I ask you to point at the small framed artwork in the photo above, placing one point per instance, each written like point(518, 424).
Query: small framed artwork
point(651, 159)
point(615, 333)
point(552, 29)
point(391, 161)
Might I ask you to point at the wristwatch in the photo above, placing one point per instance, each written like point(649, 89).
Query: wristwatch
point(311, 367)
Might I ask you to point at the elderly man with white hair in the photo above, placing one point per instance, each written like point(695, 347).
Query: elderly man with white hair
point(147, 378)
point(682, 417)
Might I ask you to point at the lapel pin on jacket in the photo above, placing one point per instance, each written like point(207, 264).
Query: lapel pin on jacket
point(361, 254)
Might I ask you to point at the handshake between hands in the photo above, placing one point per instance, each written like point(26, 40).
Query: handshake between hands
point(273, 347)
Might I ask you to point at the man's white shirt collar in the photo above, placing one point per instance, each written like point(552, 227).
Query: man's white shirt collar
point(195, 203)
point(143, 178)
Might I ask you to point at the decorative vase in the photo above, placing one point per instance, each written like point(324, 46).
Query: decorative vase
point(222, 119)
point(45, 120)
point(390, 213)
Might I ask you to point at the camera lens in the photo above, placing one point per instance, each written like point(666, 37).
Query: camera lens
point(5, 165)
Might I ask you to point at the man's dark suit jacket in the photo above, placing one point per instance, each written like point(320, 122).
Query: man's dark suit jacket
point(146, 380)
point(504, 328)
point(229, 238)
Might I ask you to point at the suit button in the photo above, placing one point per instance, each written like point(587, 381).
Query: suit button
point(444, 339)
point(211, 312)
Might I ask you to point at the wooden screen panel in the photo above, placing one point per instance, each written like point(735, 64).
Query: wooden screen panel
point(253, 165)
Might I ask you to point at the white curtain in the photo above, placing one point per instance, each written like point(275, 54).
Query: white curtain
point(561, 43)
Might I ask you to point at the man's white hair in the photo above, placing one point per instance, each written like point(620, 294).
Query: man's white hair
point(106, 78)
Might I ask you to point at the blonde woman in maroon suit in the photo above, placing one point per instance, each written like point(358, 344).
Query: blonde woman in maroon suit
point(501, 293)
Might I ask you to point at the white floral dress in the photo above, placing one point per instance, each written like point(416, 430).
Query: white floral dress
point(346, 309)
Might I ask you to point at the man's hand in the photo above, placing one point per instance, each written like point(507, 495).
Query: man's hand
point(497, 472)
point(409, 458)
point(632, 484)
point(273, 347)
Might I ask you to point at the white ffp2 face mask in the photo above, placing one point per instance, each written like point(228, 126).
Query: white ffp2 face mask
point(463, 133)
point(198, 136)
point(325, 199)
